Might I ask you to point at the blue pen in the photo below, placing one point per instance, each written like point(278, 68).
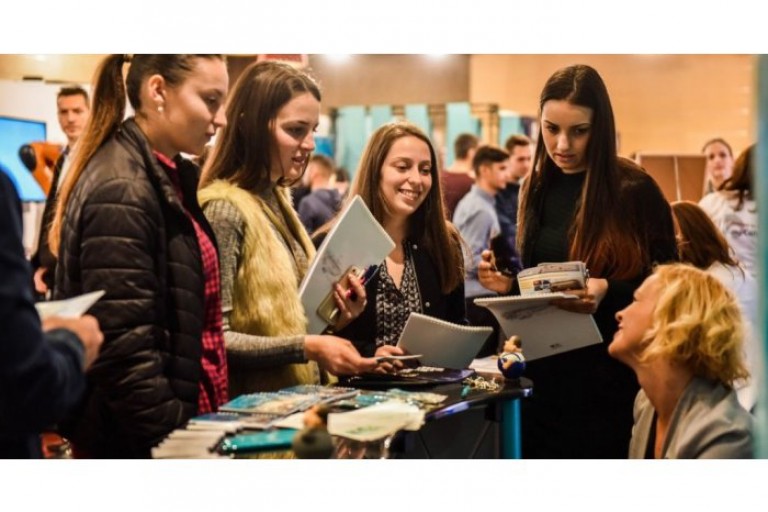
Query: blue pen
point(363, 279)
point(368, 273)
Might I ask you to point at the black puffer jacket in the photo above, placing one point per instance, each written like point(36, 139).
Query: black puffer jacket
point(125, 232)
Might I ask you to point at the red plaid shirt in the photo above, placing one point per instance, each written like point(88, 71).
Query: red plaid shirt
point(213, 385)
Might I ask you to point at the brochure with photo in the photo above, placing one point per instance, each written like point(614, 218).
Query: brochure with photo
point(553, 277)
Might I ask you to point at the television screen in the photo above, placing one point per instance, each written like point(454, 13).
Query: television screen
point(14, 133)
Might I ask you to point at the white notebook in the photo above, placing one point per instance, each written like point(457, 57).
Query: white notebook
point(442, 344)
point(356, 239)
point(545, 330)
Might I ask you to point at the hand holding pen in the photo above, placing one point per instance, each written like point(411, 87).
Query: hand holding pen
point(352, 300)
point(367, 275)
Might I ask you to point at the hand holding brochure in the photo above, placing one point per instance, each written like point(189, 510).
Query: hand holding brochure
point(545, 329)
point(553, 277)
point(358, 240)
point(74, 307)
point(443, 344)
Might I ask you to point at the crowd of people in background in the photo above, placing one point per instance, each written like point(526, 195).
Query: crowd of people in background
point(202, 262)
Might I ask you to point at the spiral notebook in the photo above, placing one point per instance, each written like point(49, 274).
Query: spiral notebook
point(545, 330)
point(442, 344)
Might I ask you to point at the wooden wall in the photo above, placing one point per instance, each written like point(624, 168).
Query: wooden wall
point(662, 103)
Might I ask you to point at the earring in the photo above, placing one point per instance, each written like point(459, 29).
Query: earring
point(160, 109)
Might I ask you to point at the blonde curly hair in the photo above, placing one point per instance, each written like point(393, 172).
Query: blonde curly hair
point(697, 323)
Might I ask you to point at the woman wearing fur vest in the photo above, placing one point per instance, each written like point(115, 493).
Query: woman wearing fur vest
point(265, 251)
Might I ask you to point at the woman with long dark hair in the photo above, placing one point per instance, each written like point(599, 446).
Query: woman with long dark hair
point(583, 202)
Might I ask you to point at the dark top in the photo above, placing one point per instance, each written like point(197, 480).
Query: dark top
point(506, 210)
point(41, 375)
point(450, 307)
point(583, 402)
point(43, 256)
point(319, 207)
point(455, 185)
point(126, 231)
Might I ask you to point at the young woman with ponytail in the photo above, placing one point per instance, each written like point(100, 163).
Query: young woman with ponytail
point(128, 223)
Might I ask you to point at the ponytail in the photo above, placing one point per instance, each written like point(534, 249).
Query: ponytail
point(107, 112)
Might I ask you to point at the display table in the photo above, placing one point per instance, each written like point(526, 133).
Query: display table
point(470, 422)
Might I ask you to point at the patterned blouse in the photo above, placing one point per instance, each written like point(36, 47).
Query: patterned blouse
point(393, 306)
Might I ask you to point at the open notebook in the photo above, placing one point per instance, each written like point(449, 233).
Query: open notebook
point(545, 330)
point(442, 344)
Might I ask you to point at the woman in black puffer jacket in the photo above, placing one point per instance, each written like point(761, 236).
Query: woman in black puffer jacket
point(128, 222)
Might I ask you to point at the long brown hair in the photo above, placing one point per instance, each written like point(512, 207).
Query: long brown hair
point(598, 234)
point(701, 244)
point(244, 148)
point(108, 111)
point(741, 180)
point(427, 225)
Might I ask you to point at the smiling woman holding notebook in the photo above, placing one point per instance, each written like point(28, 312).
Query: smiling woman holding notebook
point(398, 181)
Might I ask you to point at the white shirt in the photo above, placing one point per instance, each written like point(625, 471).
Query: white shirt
point(738, 227)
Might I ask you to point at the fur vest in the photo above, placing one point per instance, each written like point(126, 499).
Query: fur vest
point(265, 297)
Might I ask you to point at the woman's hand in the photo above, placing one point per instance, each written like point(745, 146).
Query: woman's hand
point(336, 355)
point(491, 278)
point(351, 302)
point(588, 299)
point(388, 366)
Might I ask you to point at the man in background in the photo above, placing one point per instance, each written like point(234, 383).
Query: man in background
point(477, 221)
point(457, 180)
point(520, 164)
point(73, 111)
point(324, 200)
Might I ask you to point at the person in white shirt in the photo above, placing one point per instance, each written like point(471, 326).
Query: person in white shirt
point(733, 210)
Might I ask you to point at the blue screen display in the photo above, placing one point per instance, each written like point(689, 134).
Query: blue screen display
point(14, 133)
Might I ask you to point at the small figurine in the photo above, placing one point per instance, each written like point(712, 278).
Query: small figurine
point(511, 361)
point(314, 441)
